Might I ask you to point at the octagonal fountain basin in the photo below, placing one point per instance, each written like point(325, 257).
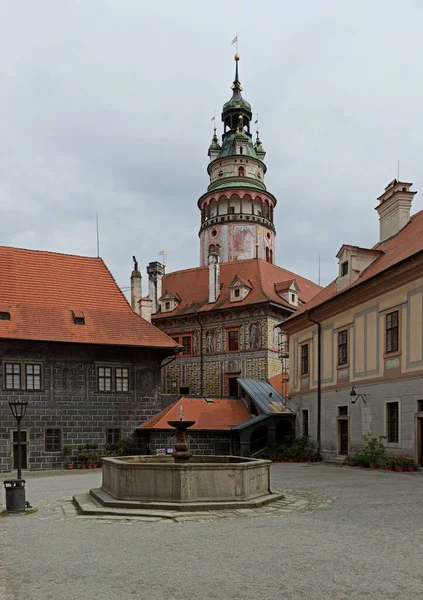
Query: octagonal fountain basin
point(202, 482)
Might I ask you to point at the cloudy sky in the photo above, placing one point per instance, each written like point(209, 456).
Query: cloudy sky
point(106, 105)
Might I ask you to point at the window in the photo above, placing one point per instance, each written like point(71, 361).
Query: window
point(419, 405)
point(112, 379)
point(304, 359)
point(112, 435)
point(187, 344)
point(13, 376)
point(392, 422)
point(391, 332)
point(344, 268)
point(184, 390)
point(122, 379)
point(342, 347)
point(293, 298)
point(305, 423)
point(232, 386)
point(33, 377)
point(167, 305)
point(104, 379)
point(53, 440)
point(343, 411)
point(241, 171)
point(233, 340)
point(4, 316)
point(241, 150)
point(79, 320)
point(232, 210)
point(237, 293)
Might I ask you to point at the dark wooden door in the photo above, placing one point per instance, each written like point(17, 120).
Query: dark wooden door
point(24, 453)
point(343, 436)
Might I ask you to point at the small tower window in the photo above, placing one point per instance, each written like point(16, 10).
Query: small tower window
point(241, 171)
point(232, 210)
point(241, 150)
point(267, 254)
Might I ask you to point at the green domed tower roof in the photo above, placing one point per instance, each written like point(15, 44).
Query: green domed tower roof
point(236, 104)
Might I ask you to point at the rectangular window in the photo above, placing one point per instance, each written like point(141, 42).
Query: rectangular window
point(184, 390)
point(392, 332)
point(167, 305)
point(33, 377)
point(232, 386)
point(104, 379)
point(305, 423)
point(187, 344)
point(113, 435)
point(342, 347)
point(122, 379)
point(237, 293)
point(53, 440)
point(392, 422)
point(233, 340)
point(344, 268)
point(343, 411)
point(13, 376)
point(419, 405)
point(232, 210)
point(304, 359)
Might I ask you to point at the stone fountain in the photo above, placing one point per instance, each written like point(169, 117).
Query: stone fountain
point(179, 482)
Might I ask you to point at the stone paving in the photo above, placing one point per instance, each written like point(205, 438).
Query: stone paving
point(338, 534)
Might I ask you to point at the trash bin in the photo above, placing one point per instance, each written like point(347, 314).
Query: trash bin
point(15, 495)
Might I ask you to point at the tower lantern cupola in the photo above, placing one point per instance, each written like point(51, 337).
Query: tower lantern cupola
point(237, 210)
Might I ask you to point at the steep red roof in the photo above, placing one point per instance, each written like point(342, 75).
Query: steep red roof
point(211, 414)
point(281, 383)
point(43, 289)
point(405, 244)
point(192, 286)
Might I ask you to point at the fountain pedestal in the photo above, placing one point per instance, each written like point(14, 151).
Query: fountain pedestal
point(181, 453)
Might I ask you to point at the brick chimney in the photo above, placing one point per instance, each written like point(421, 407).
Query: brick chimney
point(145, 306)
point(214, 272)
point(155, 271)
point(394, 208)
point(136, 287)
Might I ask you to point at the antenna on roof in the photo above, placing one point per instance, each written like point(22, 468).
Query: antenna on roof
point(319, 269)
point(98, 236)
point(398, 170)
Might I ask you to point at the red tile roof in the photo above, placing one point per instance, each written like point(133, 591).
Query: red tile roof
point(214, 414)
point(281, 383)
point(396, 249)
point(192, 286)
point(44, 289)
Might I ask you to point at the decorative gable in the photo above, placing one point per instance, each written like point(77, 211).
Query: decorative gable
point(239, 289)
point(168, 301)
point(289, 291)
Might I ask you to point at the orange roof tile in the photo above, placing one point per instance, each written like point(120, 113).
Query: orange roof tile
point(396, 249)
point(214, 414)
point(192, 286)
point(45, 289)
point(281, 383)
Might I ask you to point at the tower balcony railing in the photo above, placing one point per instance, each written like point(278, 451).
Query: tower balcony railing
point(242, 217)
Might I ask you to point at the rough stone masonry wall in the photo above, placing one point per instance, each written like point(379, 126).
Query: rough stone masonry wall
point(70, 401)
point(201, 442)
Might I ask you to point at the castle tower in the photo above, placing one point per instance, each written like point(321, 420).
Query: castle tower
point(237, 210)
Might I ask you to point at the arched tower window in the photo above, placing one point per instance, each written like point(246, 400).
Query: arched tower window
point(267, 254)
point(241, 150)
point(241, 171)
point(271, 256)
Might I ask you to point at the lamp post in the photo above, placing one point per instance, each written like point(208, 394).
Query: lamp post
point(15, 488)
point(354, 396)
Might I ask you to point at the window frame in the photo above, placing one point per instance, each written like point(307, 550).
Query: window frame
point(22, 375)
point(113, 431)
point(229, 331)
point(344, 268)
point(305, 358)
point(54, 448)
point(187, 351)
point(26, 376)
point(389, 332)
point(342, 345)
point(13, 364)
point(114, 377)
point(389, 442)
point(122, 378)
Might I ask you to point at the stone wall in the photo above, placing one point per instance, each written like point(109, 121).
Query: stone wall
point(69, 399)
point(364, 417)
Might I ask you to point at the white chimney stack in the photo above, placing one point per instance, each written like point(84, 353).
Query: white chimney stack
point(145, 308)
point(214, 273)
point(394, 208)
point(155, 272)
point(136, 287)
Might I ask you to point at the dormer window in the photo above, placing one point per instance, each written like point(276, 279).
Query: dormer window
point(167, 305)
point(237, 293)
point(289, 291)
point(239, 289)
point(4, 315)
point(344, 268)
point(169, 301)
point(78, 317)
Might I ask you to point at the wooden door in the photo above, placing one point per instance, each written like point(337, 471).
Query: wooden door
point(343, 436)
point(24, 450)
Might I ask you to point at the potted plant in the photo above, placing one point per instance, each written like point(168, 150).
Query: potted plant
point(67, 451)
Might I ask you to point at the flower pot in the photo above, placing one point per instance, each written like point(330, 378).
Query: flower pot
point(94, 466)
point(373, 466)
point(388, 467)
point(411, 468)
point(83, 466)
point(69, 466)
point(399, 468)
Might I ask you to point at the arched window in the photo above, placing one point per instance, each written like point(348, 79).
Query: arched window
point(271, 256)
point(241, 171)
point(241, 150)
point(207, 211)
point(267, 254)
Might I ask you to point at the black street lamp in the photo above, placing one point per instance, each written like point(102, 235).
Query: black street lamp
point(18, 408)
point(355, 396)
point(15, 488)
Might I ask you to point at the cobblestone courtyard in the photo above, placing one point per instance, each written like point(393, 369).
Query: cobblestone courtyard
point(340, 533)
